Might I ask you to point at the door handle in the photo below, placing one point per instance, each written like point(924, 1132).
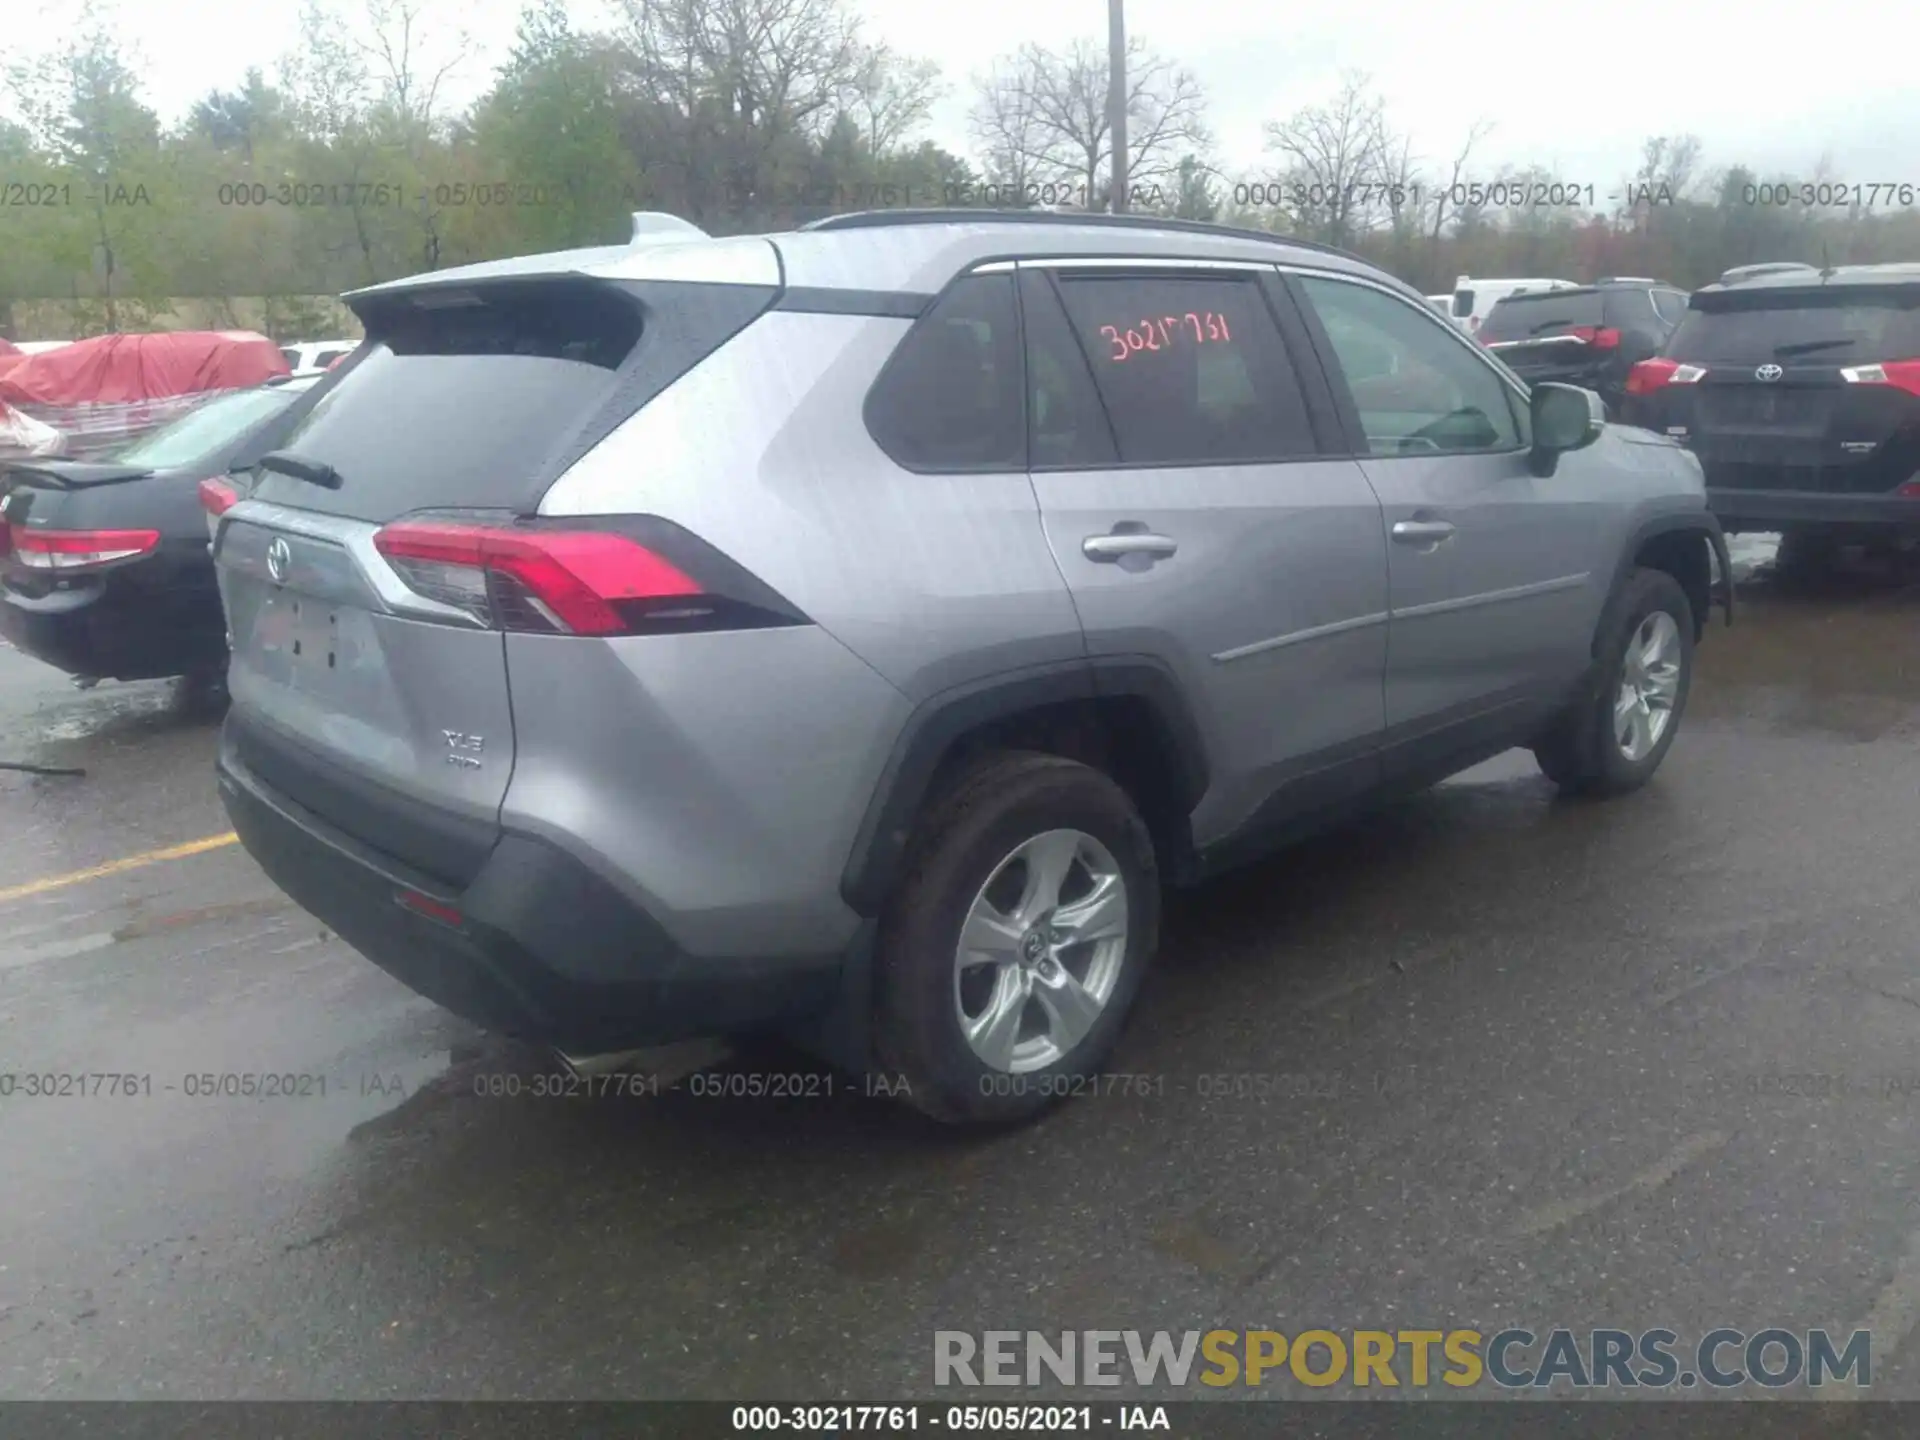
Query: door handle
point(1421, 532)
point(1118, 547)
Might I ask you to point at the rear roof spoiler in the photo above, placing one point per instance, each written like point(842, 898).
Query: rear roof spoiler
point(649, 228)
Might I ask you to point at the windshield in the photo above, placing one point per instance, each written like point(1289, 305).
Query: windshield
point(1832, 327)
point(204, 429)
point(1550, 312)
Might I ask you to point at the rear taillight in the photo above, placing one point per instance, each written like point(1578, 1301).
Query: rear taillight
point(1651, 375)
point(79, 549)
point(217, 497)
point(1901, 374)
point(585, 581)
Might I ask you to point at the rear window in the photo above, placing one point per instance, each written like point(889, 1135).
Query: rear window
point(1546, 312)
point(478, 398)
point(1836, 326)
point(1462, 304)
point(1631, 310)
point(1672, 305)
point(204, 430)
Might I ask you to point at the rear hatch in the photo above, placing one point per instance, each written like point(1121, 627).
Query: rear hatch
point(1806, 388)
point(1559, 335)
point(377, 559)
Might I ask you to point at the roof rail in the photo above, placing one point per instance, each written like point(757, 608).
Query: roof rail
point(968, 215)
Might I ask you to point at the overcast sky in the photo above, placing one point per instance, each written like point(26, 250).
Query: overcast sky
point(1573, 88)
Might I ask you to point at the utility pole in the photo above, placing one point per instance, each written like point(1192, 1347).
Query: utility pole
point(1117, 100)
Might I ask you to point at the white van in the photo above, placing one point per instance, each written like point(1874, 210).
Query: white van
point(1474, 299)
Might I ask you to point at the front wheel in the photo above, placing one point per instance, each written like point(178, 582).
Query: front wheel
point(1013, 950)
point(1613, 741)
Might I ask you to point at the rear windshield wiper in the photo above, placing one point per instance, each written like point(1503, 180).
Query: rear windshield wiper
point(314, 472)
point(1804, 347)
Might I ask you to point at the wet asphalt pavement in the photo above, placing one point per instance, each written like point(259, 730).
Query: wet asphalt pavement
point(1527, 1062)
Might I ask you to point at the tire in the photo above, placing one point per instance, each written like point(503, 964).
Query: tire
point(973, 833)
point(1582, 752)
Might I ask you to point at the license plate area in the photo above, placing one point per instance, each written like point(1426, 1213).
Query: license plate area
point(306, 643)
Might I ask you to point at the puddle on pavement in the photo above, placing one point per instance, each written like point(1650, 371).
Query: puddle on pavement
point(1828, 647)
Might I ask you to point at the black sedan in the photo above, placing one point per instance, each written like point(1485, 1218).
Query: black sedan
point(104, 565)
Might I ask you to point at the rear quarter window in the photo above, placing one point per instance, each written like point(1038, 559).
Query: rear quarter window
point(950, 397)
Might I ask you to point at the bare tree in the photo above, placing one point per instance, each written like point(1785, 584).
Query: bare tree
point(324, 78)
point(1444, 204)
point(1006, 124)
point(1333, 161)
point(411, 58)
point(1050, 109)
point(732, 83)
point(892, 95)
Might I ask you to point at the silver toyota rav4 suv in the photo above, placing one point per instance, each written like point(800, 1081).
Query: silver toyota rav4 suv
point(846, 633)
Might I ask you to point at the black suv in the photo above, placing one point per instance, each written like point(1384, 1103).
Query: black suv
point(1799, 391)
point(1592, 336)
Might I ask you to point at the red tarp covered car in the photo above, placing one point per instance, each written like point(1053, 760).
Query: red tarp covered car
point(106, 391)
point(120, 369)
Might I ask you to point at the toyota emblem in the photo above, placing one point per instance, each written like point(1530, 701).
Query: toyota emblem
point(279, 559)
point(1768, 372)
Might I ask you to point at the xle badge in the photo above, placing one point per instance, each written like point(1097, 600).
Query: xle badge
point(464, 749)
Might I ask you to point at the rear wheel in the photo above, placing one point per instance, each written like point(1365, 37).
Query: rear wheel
point(1613, 741)
point(1013, 950)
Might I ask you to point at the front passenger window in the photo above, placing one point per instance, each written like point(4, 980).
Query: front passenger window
point(1417, 389)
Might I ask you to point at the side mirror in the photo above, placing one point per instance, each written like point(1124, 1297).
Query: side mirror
point(1565, 417)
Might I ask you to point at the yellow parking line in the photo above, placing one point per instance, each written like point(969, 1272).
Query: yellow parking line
point(115, 867)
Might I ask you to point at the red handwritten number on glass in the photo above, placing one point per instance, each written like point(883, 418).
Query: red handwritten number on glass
point(1159, 334)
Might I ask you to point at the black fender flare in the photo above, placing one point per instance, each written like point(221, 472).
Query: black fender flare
point(939, 722)
point(1701, 522)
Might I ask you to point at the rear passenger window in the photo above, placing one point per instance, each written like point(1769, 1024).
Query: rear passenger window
point(1067, 422)
point(1191, 368)
point(950, 396)
point(1417, 388)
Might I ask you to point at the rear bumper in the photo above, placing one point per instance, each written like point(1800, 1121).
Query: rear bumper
point(546, 949)
point(114, 630)
point(1771, 509)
